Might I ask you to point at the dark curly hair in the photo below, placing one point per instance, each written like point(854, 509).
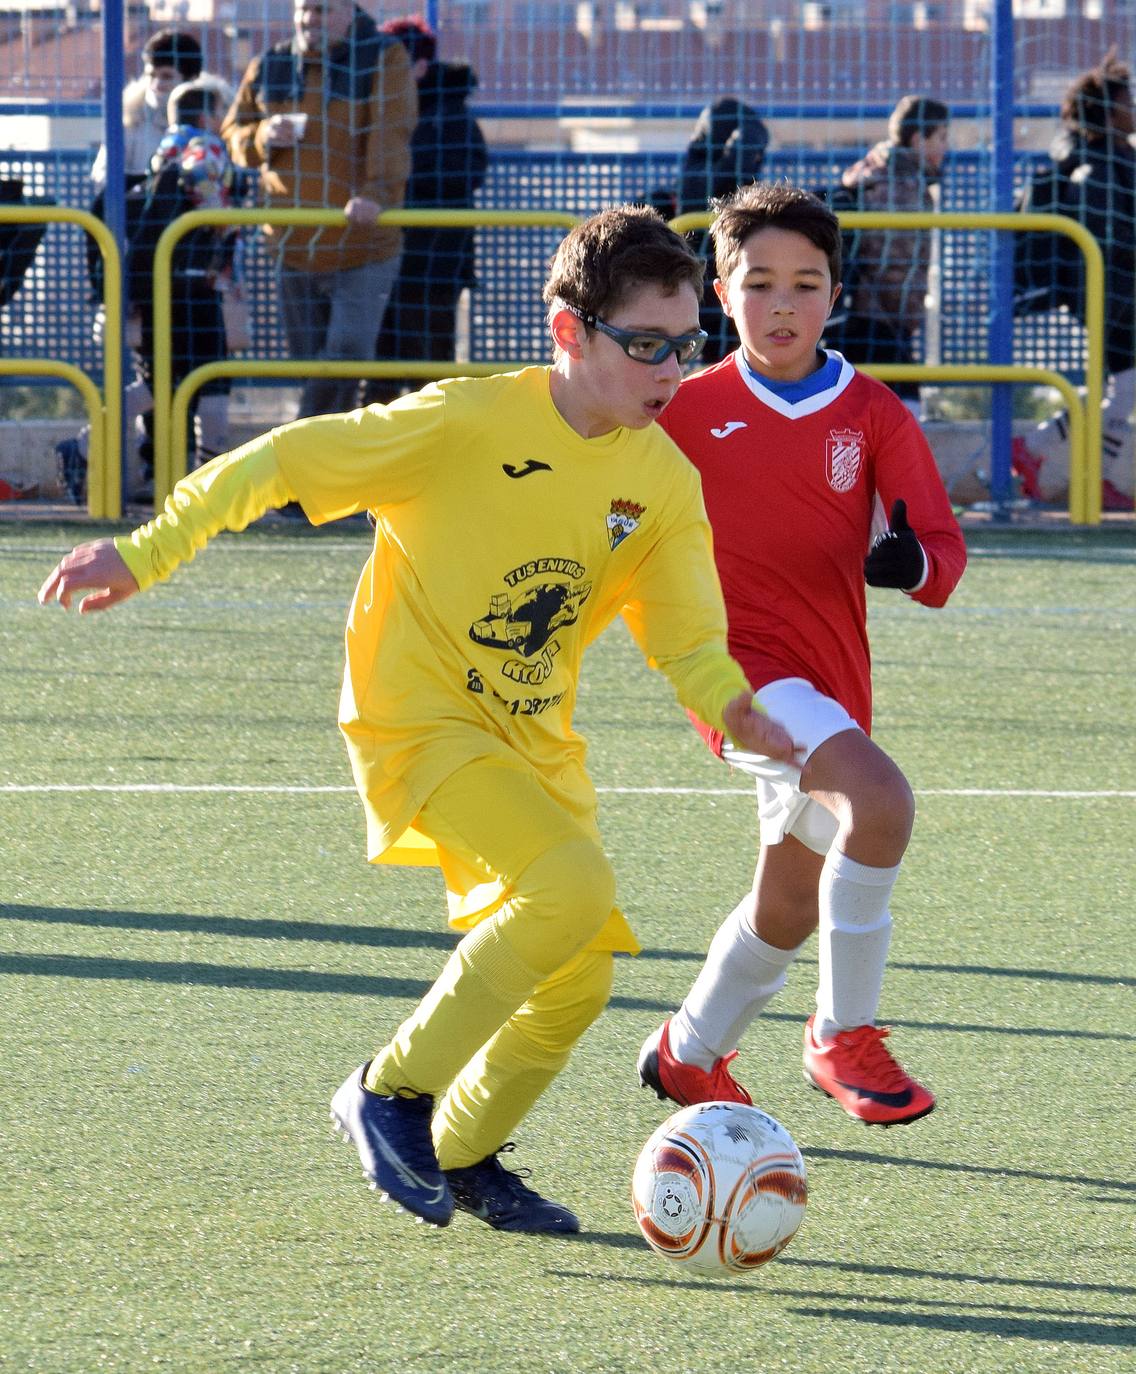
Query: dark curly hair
point(1089, 101)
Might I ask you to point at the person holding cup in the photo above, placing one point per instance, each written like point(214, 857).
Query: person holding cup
point(327, 117)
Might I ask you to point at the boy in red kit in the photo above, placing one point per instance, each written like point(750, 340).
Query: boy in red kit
point(800, 457)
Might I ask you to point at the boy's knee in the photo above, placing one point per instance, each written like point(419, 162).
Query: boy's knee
point(562, 901)
point(882, 807)
point(577, 878)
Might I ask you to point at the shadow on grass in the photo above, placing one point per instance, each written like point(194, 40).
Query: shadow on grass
point(392, 937)
point(211, 975)
point(363, 985)
point(623, 1240)
point(1058, 1332)
point(239, 927)
point(1056, 1325)
point(1041, 975)
point(954, 1167)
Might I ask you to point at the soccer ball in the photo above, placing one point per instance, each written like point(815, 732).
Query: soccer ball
point(719, 1188)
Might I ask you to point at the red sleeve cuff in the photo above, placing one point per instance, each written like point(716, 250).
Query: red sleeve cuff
point(714, 738)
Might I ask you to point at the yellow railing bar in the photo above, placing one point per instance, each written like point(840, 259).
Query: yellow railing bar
point(104, 476)
point(1084, 466)
point(422, 371)
point(163, 255)
point(96, 415)
point(1085, 477)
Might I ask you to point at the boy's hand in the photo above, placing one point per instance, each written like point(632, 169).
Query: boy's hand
point(359, 210)
point(896, 558)
point(96, 567)
point(758, 733)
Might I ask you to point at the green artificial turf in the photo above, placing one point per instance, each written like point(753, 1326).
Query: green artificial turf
point(187, 975)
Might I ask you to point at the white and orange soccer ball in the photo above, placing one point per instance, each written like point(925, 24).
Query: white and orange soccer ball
point(720, 1188)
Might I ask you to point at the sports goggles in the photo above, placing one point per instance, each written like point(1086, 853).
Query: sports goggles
point(645, 347)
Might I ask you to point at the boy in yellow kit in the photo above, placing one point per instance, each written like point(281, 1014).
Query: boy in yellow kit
point(516, 517)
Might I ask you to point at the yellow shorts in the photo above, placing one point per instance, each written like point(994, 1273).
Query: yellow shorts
point(513, 831)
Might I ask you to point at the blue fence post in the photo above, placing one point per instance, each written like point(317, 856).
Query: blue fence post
point(1001, 329)
point(114, 78)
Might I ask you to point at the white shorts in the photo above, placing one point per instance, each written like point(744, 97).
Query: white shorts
point(782, 808)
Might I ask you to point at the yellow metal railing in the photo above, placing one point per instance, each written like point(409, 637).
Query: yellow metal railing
point(1085, 457)
point(104, 477)
point(167, 441)
point(1085, 416)
point(96, 464)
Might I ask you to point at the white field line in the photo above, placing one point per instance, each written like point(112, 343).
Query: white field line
point(303, 789)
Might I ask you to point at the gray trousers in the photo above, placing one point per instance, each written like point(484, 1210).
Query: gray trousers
point(334, 315)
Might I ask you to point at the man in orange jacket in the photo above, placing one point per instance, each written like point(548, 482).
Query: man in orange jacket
point(327, 117)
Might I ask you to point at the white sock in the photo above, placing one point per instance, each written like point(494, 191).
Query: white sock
point(740, 976)
point(855, 930)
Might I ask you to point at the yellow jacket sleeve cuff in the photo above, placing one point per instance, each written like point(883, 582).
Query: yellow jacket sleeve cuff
point(229, 493)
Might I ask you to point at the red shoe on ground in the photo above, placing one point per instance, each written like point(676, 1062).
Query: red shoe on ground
point(684, 1083)
point(1026, 465)
point(858, 1072)
point(1112, 498)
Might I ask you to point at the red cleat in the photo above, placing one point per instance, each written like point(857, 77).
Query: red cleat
point(1112, 498)
point(685, 1083)
point(1026, 466)
point(858, 1072)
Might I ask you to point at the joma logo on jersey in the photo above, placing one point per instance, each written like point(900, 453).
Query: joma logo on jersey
point(622, 520)
point(844, 454)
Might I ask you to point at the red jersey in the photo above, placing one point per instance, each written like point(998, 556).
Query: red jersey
point(795, 492)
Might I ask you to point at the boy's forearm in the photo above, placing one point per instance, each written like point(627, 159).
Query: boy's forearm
point(228, 493)
point(705, 681)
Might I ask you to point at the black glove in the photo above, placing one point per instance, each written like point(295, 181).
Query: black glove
point(896, 557)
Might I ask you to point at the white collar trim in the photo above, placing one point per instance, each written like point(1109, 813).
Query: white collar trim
point(797, 410)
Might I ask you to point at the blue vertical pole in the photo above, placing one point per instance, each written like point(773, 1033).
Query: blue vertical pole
point(431, 15)
point(114, 78)
point(1000, 335)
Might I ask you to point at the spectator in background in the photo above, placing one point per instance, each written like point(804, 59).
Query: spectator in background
point(1092, 179)
point(448, 158)
point(887, 305)
point(170, 57)
point(726, 151)
point(190, 170)
point(327, 117)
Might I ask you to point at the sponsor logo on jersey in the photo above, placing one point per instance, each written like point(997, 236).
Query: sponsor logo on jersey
point(530, 466)
point(844, 456)
point(622, 520)
point(724, 431)
point(525, 623)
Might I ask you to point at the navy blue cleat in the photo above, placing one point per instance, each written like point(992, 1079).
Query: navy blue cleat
point(72, 469)
point(392, 1135)
point(494, 1194)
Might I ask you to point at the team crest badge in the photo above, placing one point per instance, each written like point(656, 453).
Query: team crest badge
point(844, 454)
point(622, 520)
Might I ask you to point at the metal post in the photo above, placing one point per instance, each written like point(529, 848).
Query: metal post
point(114, 78)
point(1001, 328)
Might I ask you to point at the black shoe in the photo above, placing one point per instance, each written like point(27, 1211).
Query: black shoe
point(495, 1195)
point(392, 1135)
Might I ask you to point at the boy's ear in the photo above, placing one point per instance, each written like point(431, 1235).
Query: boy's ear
point(836, 290)
point(568, 332)
point(720, 292)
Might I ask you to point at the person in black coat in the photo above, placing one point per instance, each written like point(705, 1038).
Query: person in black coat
point(726, 151)
point(448, 163)
point(1092, 179)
